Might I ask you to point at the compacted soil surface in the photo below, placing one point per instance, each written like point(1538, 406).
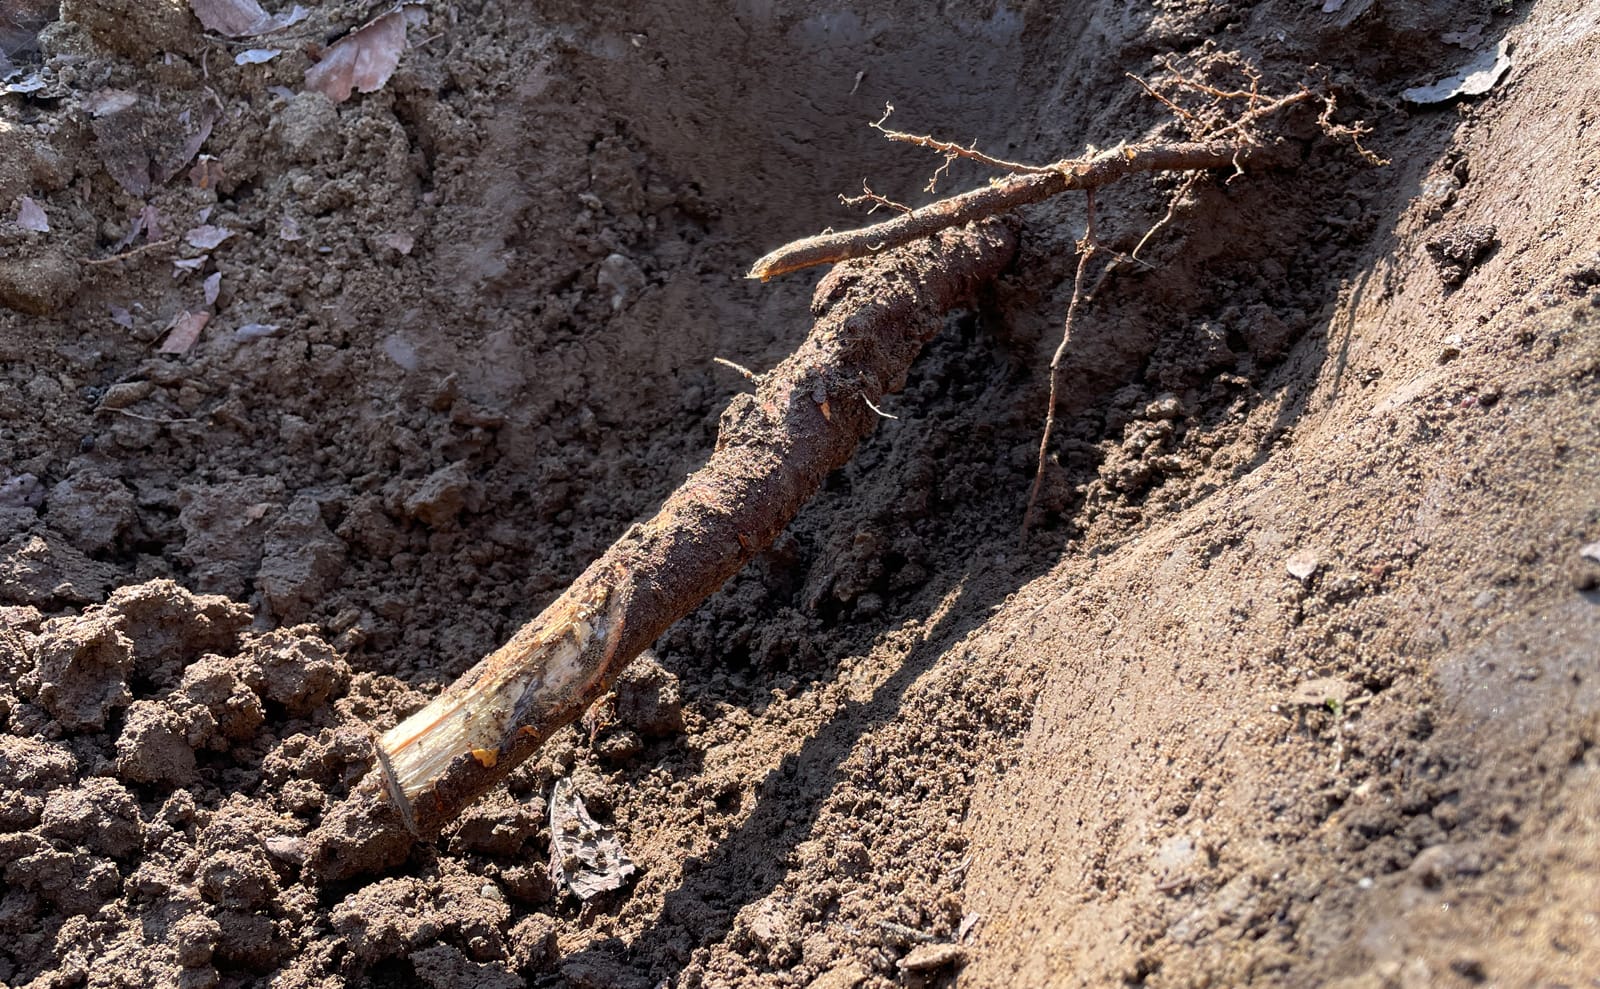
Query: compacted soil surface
point(308, 403)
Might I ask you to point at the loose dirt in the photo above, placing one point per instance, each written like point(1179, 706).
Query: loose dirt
point(1296, 683)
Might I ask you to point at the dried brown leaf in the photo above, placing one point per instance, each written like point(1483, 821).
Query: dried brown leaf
point(243, 18)
point(361, 61)
point(400, 242)
point(142, 146)
point(206, 173)
point(185, 332)
point(206, 236)
point(107, 101)
point(212, 287)
point(585, 856)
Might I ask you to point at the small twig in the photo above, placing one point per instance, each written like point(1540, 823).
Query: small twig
point(1169, 104)
point(144, 418)
point(868, 196)
point(1133, 258)
point(1086, 250)
point(749, 374)
point(880, 412)
point(951, 150)
point(126, 255)
point(1265, 110)
point(1351, 132)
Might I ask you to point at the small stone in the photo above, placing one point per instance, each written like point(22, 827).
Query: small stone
point(125, 394)
point(440, 497)
point(620, 746)
point(1302, 564)
point(38, 284)
point(932, 957)
point(619, 276)
point(649, 699)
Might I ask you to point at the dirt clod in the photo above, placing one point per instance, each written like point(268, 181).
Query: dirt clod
point(81, 667)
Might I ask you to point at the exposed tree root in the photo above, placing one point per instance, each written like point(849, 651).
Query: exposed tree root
point(1090, 172)
point(773, 452)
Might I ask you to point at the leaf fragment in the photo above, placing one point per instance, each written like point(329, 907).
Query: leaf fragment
point(31, 216)
point(255, 331)
point(106, 101)
point(184, 332)
point(585, 856)
point(1475, 79)
point(206, 173)
point(361, 61)
point(243, 18)
point(206, 236)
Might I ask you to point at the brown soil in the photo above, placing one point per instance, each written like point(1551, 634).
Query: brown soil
point(1296, 685)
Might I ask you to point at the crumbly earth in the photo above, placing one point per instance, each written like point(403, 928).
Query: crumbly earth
point(1297, 683)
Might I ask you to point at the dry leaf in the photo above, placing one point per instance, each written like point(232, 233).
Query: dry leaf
point(191, 147)
point(585, 856)
point(206, 173)
point(401, 243)
point(255, 56)
point(362, 60)
point(155, 225)
point(30, 84)
point(206, 236)
point(243, 18)
point(147, 221)
point(186, 266)
point(143, 147)
point(30, 216)
point(121, 317)
point(1478, 77)
point(212, 286)
point(255, 331)
point(107, 101)
point(185, 332)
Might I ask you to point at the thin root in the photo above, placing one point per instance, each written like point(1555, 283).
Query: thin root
point(1086, 250)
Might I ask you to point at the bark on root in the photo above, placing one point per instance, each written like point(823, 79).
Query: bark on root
point(774, 450)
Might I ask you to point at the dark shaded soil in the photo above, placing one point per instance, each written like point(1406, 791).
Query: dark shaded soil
point(1295, 685)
